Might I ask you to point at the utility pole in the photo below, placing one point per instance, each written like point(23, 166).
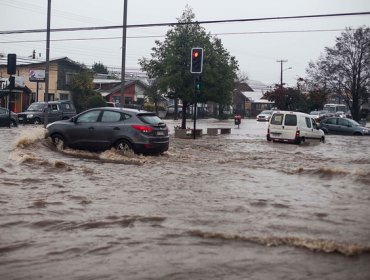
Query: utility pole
point(123, 66)
point(281, 71)
point(46, 94)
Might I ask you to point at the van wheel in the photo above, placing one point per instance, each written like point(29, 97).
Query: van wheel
point(322, 140)
point(58, 141)
point(268, 137)
point(125, 147)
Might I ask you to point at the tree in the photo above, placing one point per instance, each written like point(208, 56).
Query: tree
point(83, 95)
point(153, 94)
point(99, 68)
point(345, 69)
point(287, 99)
point(170, 64)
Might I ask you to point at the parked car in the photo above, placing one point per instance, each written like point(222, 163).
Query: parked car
point(264, 115)
point(202, 112)
point(341, 114)
point(127, 130)
point(344, 126)
point(293, 127)
point(318, 115)
point(57, 110)
point(4, 118)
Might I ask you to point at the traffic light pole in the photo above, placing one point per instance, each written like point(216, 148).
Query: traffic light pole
point(195, 105)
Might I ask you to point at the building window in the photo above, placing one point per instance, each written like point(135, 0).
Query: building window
point(69, 78)
point(51, 97)
point(64, 96)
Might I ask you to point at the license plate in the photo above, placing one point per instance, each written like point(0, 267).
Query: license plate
point(160, 133)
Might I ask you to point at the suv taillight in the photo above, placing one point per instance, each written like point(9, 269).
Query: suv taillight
point(142, 128)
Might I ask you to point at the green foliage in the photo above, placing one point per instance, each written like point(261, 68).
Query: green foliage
point(345, 69)
point(94, 100)
point(151, 107)
point(99, 68)
point(288, 99)
point(170, 64)
point(83, 95)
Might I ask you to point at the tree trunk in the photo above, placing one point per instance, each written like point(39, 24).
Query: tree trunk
point(183, 117)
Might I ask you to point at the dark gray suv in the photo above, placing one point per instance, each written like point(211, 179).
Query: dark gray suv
point(57, 110)
point(127, 130)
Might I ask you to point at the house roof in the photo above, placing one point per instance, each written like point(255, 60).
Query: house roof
point(252, 95)
point(25, 61)
point(116, 88)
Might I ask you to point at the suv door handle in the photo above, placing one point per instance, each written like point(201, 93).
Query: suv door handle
point(116, 128)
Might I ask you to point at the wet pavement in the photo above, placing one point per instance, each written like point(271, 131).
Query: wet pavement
point(219, 207)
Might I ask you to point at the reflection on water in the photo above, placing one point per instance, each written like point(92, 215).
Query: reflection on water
point(219, 207)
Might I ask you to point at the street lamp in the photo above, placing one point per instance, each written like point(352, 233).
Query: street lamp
point(281, 76)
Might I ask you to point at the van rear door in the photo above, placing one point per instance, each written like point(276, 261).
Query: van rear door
point(283, 126)
point(290, 126)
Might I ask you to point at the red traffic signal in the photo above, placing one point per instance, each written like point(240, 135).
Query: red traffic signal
point(196, 65)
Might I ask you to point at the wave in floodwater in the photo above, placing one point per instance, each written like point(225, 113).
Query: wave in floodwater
point(316, 245)
point(29, 141)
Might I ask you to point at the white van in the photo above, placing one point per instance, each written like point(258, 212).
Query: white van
point(293, 127)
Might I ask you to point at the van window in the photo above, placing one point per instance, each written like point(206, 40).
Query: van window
point(290, 120)
point(308, 122)
point(277, 119)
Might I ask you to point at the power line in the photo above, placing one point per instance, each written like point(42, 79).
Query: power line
point(180, 23)
point(161, 36)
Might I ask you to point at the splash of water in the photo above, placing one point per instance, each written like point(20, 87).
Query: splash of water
point(316, 245)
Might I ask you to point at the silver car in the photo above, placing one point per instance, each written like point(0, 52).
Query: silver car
point(127, 130)
point(264, 115)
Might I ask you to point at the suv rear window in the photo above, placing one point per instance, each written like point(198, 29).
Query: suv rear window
point(290, 120)
point(277, 119)
point(150, 118)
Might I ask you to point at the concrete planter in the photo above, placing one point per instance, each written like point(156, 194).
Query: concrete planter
point(187, 133)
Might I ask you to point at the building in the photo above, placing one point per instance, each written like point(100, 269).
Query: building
point(110, 89)
point(32, 72)
point(247, 98)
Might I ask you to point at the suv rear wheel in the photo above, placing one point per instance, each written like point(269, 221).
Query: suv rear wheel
point(125, 147)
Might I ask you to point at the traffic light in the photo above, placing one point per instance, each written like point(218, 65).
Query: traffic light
point(12, 63)
point(198, 81)
point(196, 66)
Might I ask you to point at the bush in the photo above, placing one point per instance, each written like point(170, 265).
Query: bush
point(151, 107)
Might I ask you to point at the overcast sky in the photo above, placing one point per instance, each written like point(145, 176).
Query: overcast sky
point(257, 53)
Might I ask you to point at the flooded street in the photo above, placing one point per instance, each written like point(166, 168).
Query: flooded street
point(219, 207)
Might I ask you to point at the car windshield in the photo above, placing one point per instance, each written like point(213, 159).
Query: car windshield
point(266, 112)
point(36, 107)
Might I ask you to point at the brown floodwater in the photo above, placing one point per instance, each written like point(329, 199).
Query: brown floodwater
point(219, 207)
